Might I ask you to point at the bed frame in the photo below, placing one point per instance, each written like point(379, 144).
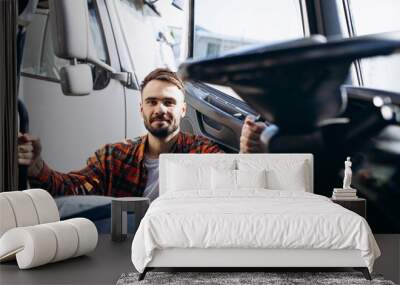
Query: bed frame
point(259, 259)
point(248, 259)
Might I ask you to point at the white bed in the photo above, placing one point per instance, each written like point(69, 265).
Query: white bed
point(201, 219)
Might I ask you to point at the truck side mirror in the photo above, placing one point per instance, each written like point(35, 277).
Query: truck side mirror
point(70, 29)
point(72, 40)
point(76, 79)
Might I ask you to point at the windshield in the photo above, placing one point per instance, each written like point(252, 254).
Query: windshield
point(152, 34)
point(220, 26)
point(226, 25)
point(370, 17)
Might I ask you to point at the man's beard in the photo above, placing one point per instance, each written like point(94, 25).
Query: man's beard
point(161, 132)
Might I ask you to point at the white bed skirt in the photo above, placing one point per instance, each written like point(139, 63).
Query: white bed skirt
point(193, 257)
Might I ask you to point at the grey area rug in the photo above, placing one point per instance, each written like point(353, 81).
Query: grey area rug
point(243, 278)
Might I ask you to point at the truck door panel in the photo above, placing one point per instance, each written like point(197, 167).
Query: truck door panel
point(213, 114)
point(71, 129)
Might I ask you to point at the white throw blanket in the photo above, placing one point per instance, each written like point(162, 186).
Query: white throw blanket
point(250, 219)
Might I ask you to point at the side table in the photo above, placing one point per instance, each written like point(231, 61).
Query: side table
point(120, 207)
point(358, 205)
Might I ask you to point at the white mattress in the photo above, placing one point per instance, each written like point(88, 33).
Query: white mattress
point(250, 219)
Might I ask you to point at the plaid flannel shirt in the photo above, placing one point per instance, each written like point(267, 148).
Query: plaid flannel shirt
point(115, 170)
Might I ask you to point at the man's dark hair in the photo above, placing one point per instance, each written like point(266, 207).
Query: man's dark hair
point(163, 74)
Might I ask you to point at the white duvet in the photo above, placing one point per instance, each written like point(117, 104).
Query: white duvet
point(250, 219)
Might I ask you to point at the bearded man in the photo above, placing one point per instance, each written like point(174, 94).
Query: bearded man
point(130, 168)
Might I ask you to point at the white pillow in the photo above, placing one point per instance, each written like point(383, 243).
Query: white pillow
point(193, 174)
point(183, 178)
point(280, 174)
point(223, 179)
point(251, 178)
point(292, 179)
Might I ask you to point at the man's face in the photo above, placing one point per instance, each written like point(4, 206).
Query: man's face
point(162, 107)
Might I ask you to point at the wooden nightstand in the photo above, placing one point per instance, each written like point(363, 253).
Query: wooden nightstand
point(358, 205)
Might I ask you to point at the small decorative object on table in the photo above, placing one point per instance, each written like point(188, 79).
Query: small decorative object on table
point(347, 174)
point(346, 193)
point(120, 207)
point(347, 196)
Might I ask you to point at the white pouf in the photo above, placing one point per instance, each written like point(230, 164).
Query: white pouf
point(31, 231)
